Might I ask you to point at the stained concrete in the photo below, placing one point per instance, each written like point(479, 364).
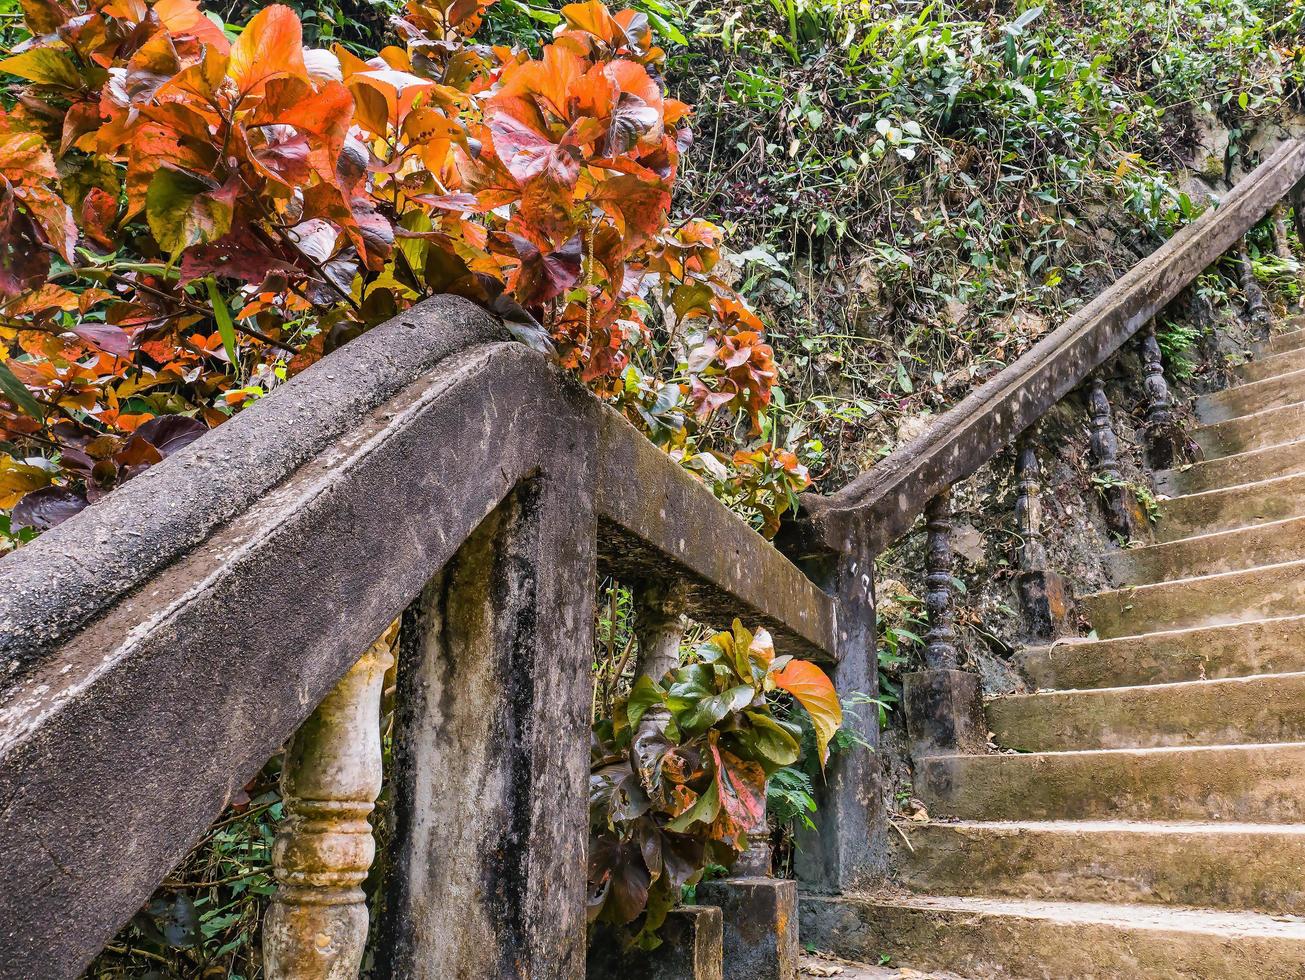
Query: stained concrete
point(1261, 647)
point(1232, 507)
point(1231, 403)
point(1208, 554)
point(1264, 592)
point(1270, 365)
point(1245, 783)
point(1203, 712)
point(1000, 938)
point(1210, 865)
point(1268, 427)
point(1229, 471)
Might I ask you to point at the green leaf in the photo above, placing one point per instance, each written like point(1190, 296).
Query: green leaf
point(184, 210)
point(45, 66)
point(17, 393)
point(226, 325)
point(644, 695)
point(769, 740)
point(710, 710)
point(704, 809)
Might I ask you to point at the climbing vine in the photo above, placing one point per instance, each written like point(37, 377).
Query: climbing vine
point(191, 213)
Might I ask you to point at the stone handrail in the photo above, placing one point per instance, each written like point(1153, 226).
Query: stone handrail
point(876, 508)
point(164, 643)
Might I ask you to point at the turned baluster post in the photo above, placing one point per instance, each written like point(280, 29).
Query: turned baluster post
point(1159, 404)
point(943, 704)
point(1282, 244)
point(1256, 308)
point(1042, 592)
point(940, 641)
point(316, 925)
point(1278, 222)
point(1119, 504)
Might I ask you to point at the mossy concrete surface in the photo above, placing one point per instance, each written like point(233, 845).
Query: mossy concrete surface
point(1261, 647)
point(1268, 427)
point(1209, 554)
point(1205, 712)
point(1270, 365)
point(1245, 783)
point(1231, 507)
point(985, 938)
point(1290, 337)
point(1231, 471)
point(1208, 600)
point(1232, 403)
point(1217, 866)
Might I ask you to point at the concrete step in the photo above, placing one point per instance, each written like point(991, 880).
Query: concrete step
point(1266, 592)
point(1231, 403)
point(1255, 867)
point(1209, 554)
point(1270, 427)
point(990, 938)
point(1233, 783)
point(822, 964)
point(1262, 647)
point(1230, 471)
point(1244, 505)
point(1269, 366)
point(1263, 709)
point(1291, 337)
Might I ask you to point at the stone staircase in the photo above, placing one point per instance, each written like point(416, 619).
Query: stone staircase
point(1148, 817)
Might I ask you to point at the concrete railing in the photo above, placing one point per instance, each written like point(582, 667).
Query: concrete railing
point(163, 644)
point(942, 703)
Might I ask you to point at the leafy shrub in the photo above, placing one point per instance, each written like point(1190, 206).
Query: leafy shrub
point(189, 220)
point(678, 776)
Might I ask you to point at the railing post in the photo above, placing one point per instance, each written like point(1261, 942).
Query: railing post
point(1278, 221)
point(1042, 591)
point(944, 706)
point(1122, 516)
point(1159, 404)
point(940, 641)
point(1256, 309)
point(316, 926)
point(491, 750)
point(848, 845)
point(1282, 243)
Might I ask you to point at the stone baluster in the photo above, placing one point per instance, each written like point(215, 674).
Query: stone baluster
point(1042, 592)
point(943, 704)
point(1256, 308)
point(1278, 221)
point(1159, 404)
point(1120, 506)
point(940, 641)
point(1282, 244)
point(316, 925)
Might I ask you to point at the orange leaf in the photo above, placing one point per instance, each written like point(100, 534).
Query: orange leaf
point(270, 46)
point(815, 692)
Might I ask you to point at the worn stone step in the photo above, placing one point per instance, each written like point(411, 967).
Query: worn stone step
point(1270, 427)
point(1263, 708)
point(1257, 867)
point(991, 938)
point(1230, 471)
point(1244, 505)
point(1266, 592)
point(1232, 403)
point(1235, 783)
point(1270, 366)
point(1208, 554)
point(1291, 337)
point(1261, 647)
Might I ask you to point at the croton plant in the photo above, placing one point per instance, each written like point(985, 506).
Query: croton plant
point(678, 773)
point(192, 212)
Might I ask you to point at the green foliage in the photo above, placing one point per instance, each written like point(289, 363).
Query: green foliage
point(679, 771)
